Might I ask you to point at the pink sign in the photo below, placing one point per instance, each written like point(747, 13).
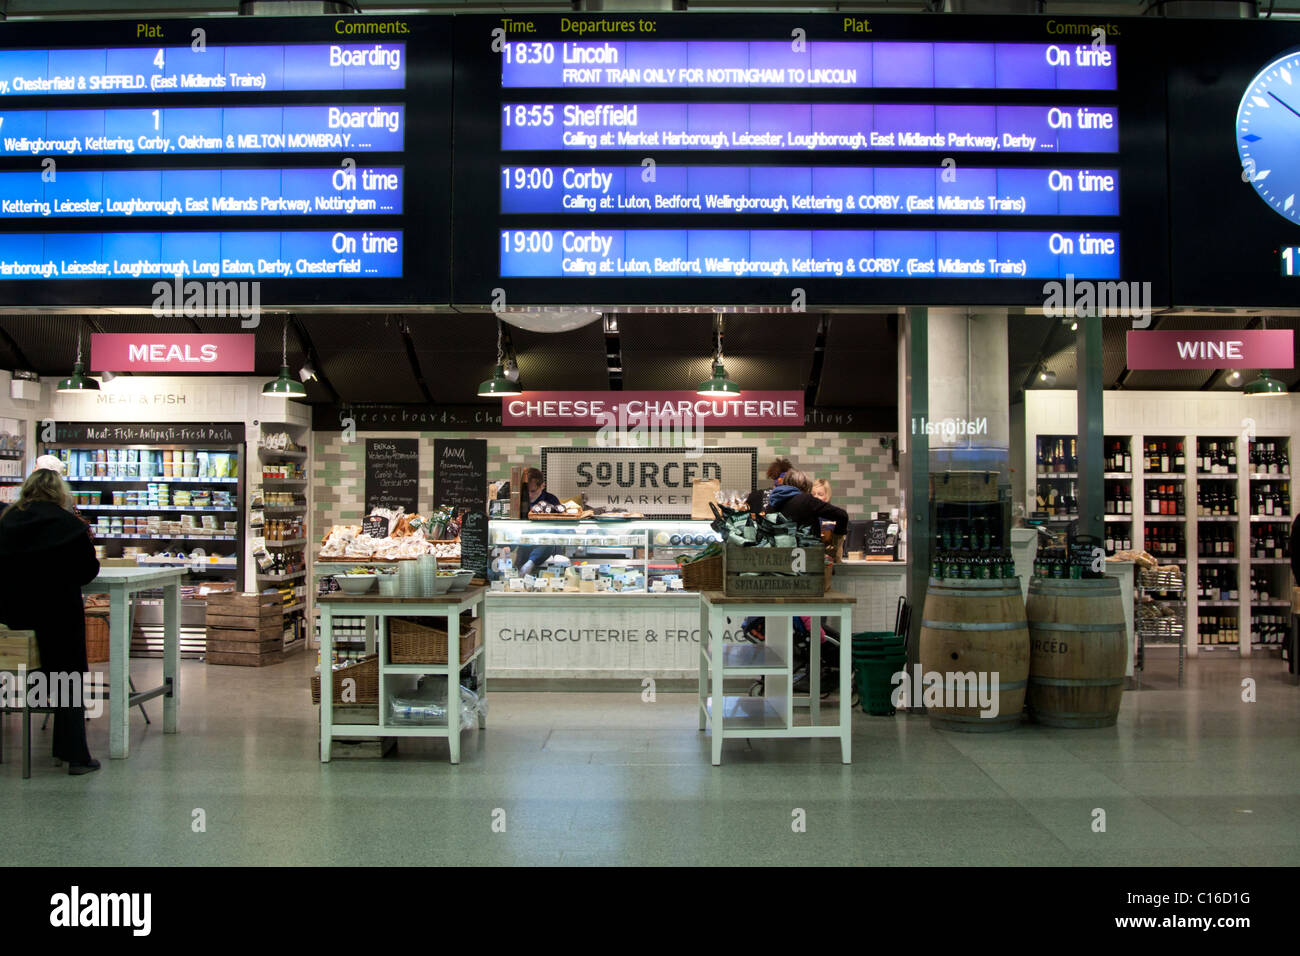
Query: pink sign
point(1235, 348)
point(600, 409)
point(145, 352)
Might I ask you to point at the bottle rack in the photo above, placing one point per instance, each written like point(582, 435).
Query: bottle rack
point(281, 493)
point(1160, 614)
point(1220, 473)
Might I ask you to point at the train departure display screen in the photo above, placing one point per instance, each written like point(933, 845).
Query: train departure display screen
point(269, 149)
point(694, 160)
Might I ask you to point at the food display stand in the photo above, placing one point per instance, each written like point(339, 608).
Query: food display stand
point(771, 715)
point(121, 585)
point(381, 607)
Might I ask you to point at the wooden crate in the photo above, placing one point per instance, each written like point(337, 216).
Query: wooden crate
point(765, 572)
point(245, 647)
point(245, 660)
point(18, 649)
point(250, 612)
point(260, 636)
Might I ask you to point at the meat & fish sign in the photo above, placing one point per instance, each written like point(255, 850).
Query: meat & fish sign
point(656, 482)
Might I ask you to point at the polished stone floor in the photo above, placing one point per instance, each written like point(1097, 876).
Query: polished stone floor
point(1191, 776)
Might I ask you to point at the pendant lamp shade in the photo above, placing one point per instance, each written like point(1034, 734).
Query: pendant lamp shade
point(1265, 385)
point(78, 381)
point(285, 385)
point(500, 385)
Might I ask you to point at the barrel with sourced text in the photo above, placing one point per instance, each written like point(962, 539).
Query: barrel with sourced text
point(1078, 645)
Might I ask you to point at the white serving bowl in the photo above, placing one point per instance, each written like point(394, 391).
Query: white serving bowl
point(356, 583)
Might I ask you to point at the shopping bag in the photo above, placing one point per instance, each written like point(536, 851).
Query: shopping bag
point(704, 493)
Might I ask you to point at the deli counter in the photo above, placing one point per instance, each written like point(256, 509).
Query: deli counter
point(604, 599)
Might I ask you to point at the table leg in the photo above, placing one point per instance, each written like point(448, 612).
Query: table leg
point(453, 682)
point(172, 656)
point(815, 669)
point(704, 662)
point(326, 680)
point(119, 667)
point(846, 681)
point(716, 631)
point(480, 613)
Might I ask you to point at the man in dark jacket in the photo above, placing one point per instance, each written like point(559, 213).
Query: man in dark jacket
point(792, 499)
point(46, 555)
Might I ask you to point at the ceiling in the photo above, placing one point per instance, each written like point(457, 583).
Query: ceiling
point(841, 360)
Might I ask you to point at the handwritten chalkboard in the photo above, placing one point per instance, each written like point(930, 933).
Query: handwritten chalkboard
point(376, 527)
point(460, 482)
point(879, 540)
point(393, 474)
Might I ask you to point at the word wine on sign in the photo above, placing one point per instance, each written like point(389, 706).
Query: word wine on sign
point(1204, 349)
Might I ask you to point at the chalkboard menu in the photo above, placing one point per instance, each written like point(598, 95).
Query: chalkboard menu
point(879, 540)
point(460, 482)
point(376, 527)
point(393, 474)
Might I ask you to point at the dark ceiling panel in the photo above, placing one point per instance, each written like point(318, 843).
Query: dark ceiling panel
point(48, 341)
point(860, 364)
point(562, 360)
point(455, 353)
point(366, 376)
point(674, 351)
point(453, 333)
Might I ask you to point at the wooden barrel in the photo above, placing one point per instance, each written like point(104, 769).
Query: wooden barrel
point(974, 628)
point(1078, 651)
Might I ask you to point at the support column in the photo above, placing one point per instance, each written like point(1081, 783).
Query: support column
point(1092, 429)
point(914, 465)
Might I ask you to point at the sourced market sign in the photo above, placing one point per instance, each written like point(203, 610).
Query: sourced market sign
point(154, 354)
point(680, 409)
point(657, 482)
point(1234, 348)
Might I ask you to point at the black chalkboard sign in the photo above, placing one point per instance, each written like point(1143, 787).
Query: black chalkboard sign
point(879, 540)
point(460, 482)
point(376, 527)
point(393, 474)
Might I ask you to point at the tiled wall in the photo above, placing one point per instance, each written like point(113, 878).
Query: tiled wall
point(862, 476)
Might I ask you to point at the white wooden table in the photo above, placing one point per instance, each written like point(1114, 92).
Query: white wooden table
point(449, 606)
point(121, 584)
point(771, 715)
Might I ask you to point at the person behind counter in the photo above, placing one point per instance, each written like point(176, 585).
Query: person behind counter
point(821, 490)
point(776, 473)
point(792, 499)
point(46, 555)
point(530, 558)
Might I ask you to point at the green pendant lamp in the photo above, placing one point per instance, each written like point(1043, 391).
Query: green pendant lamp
point(284, 386)
point(499, 386)
point(78, 381)
point(718, 385)
point(1265, 385)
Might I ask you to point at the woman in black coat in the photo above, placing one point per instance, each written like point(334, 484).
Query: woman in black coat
point(46, 555)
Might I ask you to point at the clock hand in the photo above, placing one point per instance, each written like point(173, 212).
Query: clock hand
point(1283, 102)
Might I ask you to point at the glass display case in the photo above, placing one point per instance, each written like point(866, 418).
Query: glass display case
point(558, 556)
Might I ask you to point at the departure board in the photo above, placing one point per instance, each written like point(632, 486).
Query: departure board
point(268, 149)
point(667, 159)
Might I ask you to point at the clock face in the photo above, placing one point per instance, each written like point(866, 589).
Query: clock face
point(1268, 135)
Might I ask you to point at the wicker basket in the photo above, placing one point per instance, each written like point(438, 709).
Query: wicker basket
point(96, 606)
point(413, 643)
point(365, 672)
point(964, 486)
point(703, 575)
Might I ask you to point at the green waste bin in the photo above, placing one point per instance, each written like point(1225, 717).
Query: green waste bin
point(877, 657)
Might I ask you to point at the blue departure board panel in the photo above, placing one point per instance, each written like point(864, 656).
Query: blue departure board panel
point(235, 255)
point(809, 190)
point(819, 64)
point(796, 253)
point(203, 192)
point(869, 160)
point(134, 150)
point(250, 68)
point(230, 129)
